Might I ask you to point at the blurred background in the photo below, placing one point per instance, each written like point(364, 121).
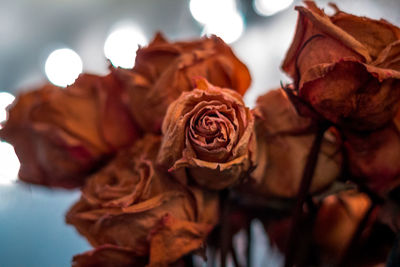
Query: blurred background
point(55, 40)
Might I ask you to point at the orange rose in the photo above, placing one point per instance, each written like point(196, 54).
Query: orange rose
point(164, 70)
point(284, 140)
point(346, 67)
point(108, 256)
point(60, 135)
point(132, 204)
point(208, 132)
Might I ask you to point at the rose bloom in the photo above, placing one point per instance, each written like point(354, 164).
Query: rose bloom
point(346, 67)
point(60, 135)
point(284, 140)
point(164, 70)
point(133, 205)
point(208, 136)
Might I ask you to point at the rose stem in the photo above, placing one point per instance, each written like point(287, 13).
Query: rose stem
point(225, 227)
point(306, 180)
point(248, 248)
point(234, 256)
point(356, 236)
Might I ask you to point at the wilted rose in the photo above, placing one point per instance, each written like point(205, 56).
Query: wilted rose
point(108, 256)
point(373, 157)
point(164, 70)
point(346, 67)
point(284, 140)
point(130, 203)
point(209, 133)
point(60, 135)
point(335, 224)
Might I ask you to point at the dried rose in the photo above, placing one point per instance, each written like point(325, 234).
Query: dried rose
point(130, 202)
point(346, 67)
point(209, 133)
point(164, 70)
point(373, 157)
point(108, 256)
point(335, 224)
point(284, 140)
point(60, 135)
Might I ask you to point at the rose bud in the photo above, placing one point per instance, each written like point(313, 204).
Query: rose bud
point(209, 133)
point(60, 135)
point(346, 67)
point(164, 70)
point(373, 157)
point(284, 140)
point(130, 203)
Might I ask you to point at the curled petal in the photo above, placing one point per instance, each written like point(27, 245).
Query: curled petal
point(352, 94)
point(173, 238)
point(373, 158)
point(108, 256)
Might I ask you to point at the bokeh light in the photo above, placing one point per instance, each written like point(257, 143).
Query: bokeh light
point(121, 45)
point(205, 11)
point(270, 7)
point(5, 100)
point(219, 17)
point(229, 28)
point(63, 66)
point(9, 164)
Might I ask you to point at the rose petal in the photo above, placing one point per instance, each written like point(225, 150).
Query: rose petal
point(108, 256)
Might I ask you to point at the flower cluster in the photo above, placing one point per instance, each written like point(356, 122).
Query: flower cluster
point(167, 154)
